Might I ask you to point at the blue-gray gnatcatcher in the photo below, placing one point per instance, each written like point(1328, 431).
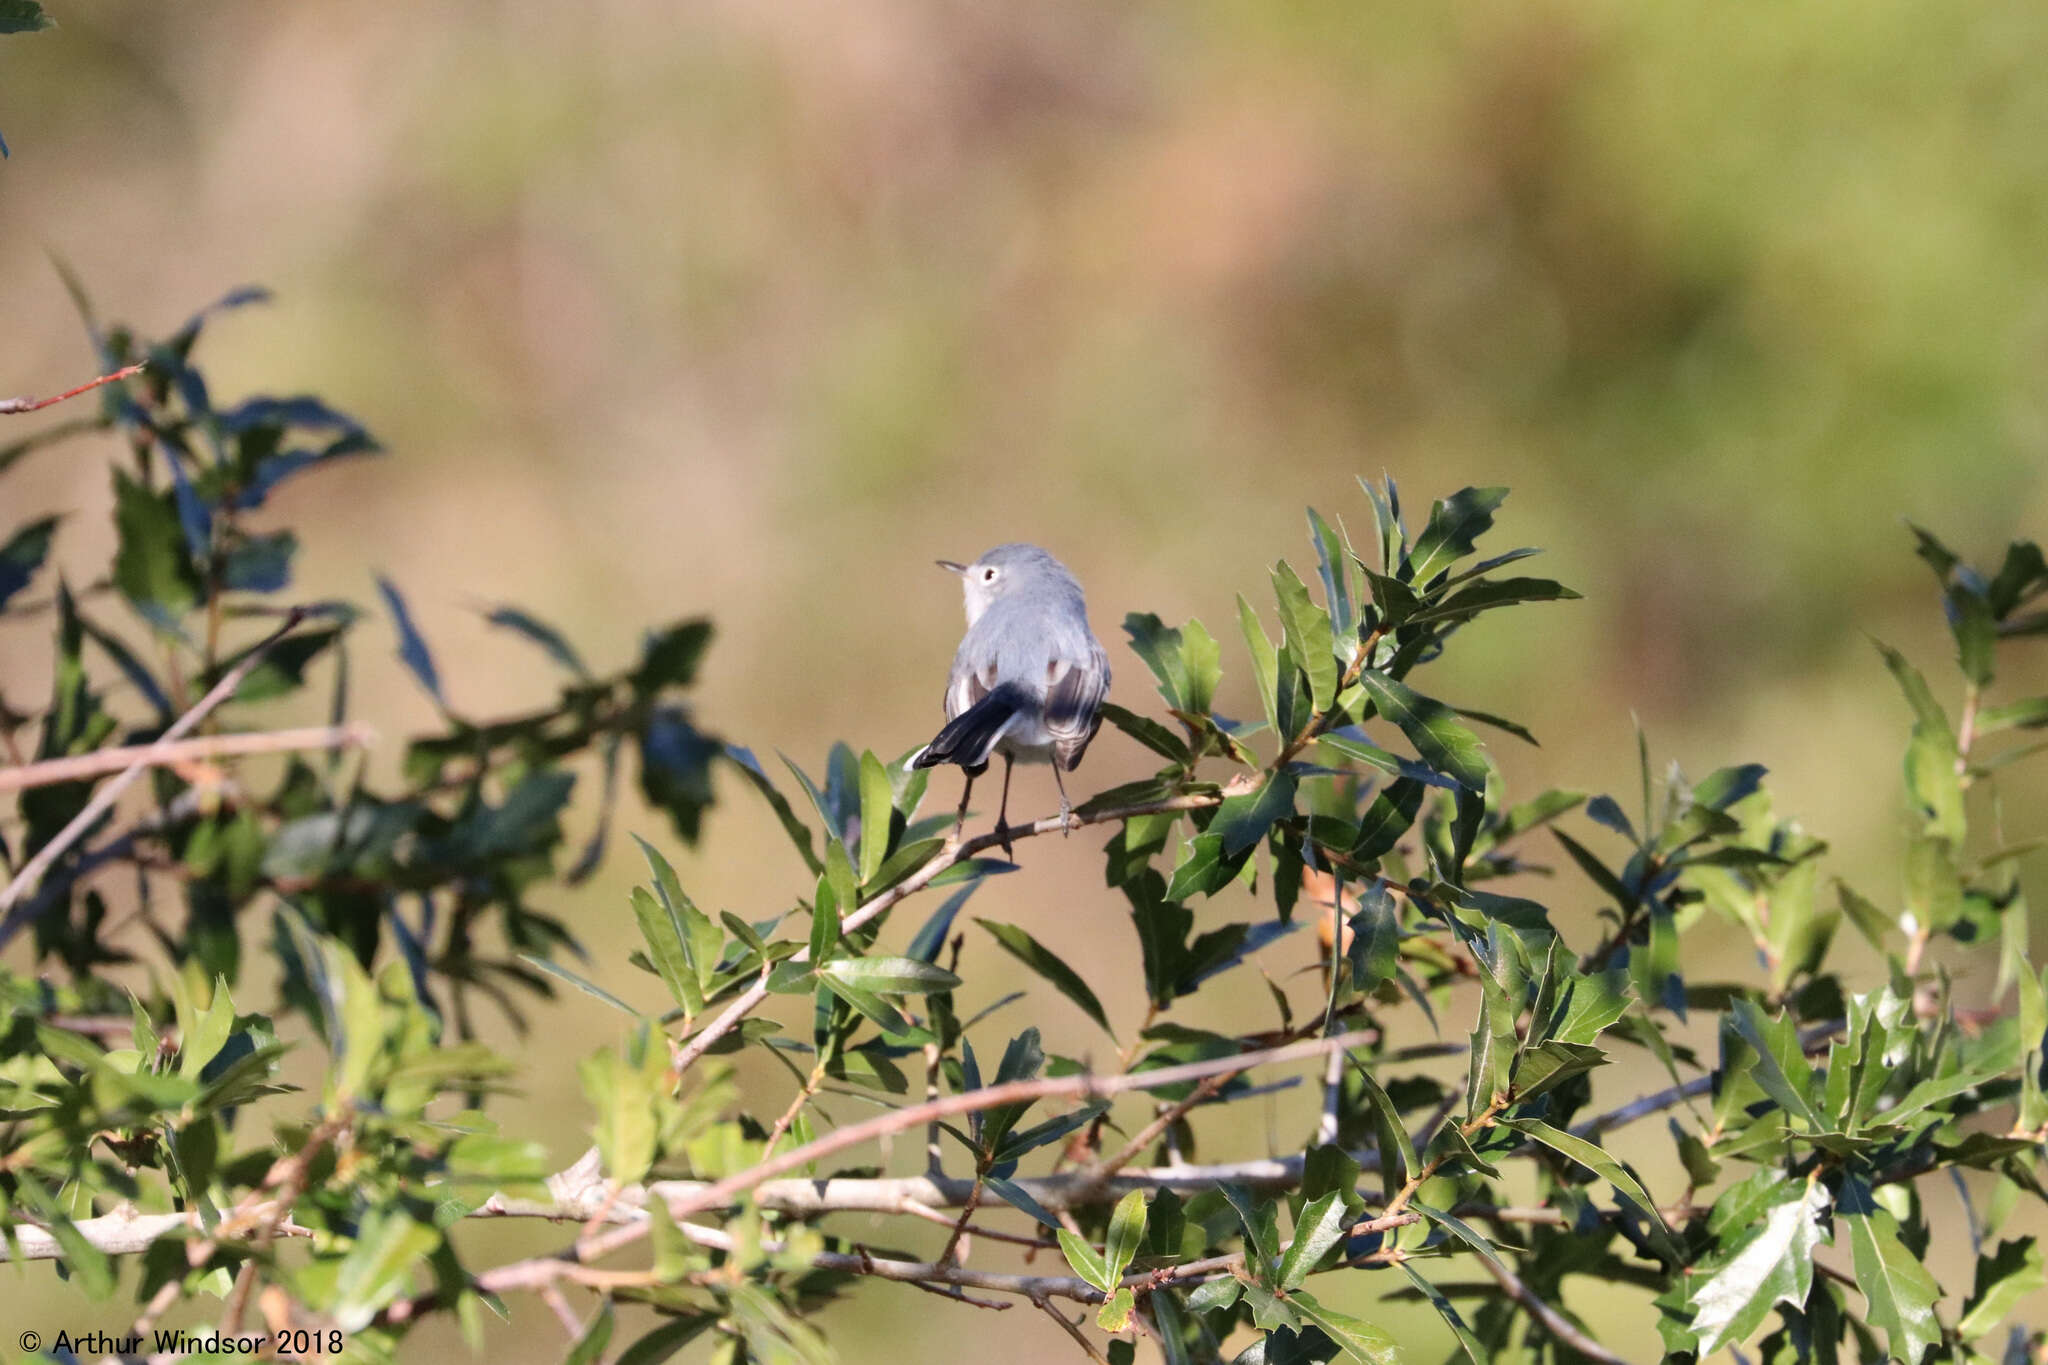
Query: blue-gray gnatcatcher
point(1028, 679)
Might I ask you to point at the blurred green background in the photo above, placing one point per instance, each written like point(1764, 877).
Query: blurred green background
point(753, 310)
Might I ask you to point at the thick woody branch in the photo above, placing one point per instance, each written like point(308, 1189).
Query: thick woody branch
point(165, 754)
point(722, 1192)
point(122, 1234)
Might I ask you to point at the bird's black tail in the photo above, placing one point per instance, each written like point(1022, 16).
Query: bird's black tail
point(970, 736)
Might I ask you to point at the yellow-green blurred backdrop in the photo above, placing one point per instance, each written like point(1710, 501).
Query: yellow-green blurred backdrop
point(753, 309)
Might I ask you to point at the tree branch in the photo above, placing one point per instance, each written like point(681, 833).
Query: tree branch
point(165, 753)
point(10, 406)
point(103, 800)
point(750, 999)
point(896, 1121)
point(125, 1234)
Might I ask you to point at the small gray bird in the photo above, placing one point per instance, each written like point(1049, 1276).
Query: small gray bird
point(1028, 679)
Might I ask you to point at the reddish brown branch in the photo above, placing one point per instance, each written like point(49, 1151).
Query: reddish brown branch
point(9, 406)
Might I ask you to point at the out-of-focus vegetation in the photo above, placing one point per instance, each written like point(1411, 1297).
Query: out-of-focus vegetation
point(753, 310)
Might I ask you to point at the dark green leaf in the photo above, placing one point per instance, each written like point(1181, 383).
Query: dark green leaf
point(153, 567)
point(23, 16)
point(412, 647)
point(1319, 1228)
point(1063, 978)
point(1489, 593)
point(550, 640)
point(1148, 732)
point(1434, 730)
point(1770, 1261)
point(1455, 524)
point(1900, 1292)
point(1308, 639)
point(2004, 1277)
point(23, 554)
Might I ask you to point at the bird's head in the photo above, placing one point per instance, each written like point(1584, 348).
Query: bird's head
point(1002, 571)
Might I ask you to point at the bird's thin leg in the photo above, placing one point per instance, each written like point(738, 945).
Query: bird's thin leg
point(966, 790)
point(1003, 814)
point(1065, 809)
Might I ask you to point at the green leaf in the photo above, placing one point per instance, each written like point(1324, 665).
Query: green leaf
point(1899, 1291)
point(1771, 1263)
point(1455, 524)
point(1333, 561)
point(877, 813)
point(1126, 1233)
point(662, 930)
point(1159, 645)
point(1086, 1262)
point(1602, 1164)
point(378, 1267)
point(153, 566)
point(1391, 815)
point(1261, 1233)
point(1203, 660)
point(1433, 728)
point(23, 554)
point(1375, 937)
point(625, 1097)
point(1308, 638)
point(551, 641)
point(1926, 710)
point(890, 975)
point(665, 1340)
point(1148, 732)
point(589, 988)
point(1242, 820)
point(2031, 714)
point(1488, 593)
point(799, 833)
point(1265, 663)
point(1115, 1314)
point(1018, 1144)
point(824, 930)
point(2004, 1277)
point(208, 1033)
point(1320, 1227)
point(669, 657)
point(412, 646)
point(1873, 923)
point(1781, 1067)
point(1359, 1339)
point(589, 1347)
point(23, 16)
point(1476, 1353)
point(1933, 890)
point(1063, 978)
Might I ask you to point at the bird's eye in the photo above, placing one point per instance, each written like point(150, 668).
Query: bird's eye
point(988, 575)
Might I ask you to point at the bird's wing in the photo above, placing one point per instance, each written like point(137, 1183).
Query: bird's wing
point(967, 686)
point(1073, 703)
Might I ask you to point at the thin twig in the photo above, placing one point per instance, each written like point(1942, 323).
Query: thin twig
point(10, 406)
point(162, 754)
point(103, 800)
point(1044, 1305)
point(749, 999)
point(1553, 1321)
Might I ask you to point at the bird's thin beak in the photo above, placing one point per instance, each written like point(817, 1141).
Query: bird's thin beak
point(949, 566)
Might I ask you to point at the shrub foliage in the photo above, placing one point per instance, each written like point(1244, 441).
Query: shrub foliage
point(1785, 1209)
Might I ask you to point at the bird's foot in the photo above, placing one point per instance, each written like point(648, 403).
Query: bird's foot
point(1003, 838)
point(1066, 818)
